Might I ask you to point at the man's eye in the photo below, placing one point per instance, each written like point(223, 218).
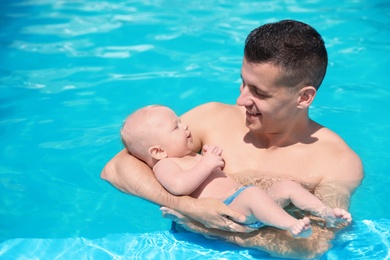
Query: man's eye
point(256, 92)
point(260, 94)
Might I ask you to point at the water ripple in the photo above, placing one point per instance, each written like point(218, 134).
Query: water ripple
point(365, 240)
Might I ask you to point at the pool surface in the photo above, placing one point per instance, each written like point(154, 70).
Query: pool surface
point(71, 71)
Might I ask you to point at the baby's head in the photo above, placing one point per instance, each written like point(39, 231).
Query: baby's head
point(155, 132)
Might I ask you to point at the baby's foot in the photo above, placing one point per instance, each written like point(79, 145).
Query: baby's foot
point(301, 228)
point(342, 214)
point(335, 216)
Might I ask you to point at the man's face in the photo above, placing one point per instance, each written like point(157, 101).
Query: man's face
point(270, 108)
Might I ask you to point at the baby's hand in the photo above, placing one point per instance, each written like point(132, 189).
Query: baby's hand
point(212, 149)
point(212, 156)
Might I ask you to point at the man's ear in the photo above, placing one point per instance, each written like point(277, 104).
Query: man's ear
point(157, 152)
point(306, 96)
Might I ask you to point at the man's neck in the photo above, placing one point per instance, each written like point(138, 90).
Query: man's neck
point(298, 133)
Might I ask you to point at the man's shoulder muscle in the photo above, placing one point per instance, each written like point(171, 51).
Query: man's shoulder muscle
point(207, 119)
point(209, 109)
point(342, 162)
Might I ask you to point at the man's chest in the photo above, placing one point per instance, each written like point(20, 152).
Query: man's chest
point(299, 163)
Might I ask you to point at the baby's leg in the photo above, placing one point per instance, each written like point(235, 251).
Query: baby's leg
point(301, 228)
point(256, 202)
point(290, 191)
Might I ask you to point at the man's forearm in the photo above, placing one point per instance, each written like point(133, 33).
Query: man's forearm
point(334, 195)
point(132, 176)
point(280, 243)
point(276, 242)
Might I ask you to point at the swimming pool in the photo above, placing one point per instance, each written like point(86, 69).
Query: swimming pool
point(72, 70)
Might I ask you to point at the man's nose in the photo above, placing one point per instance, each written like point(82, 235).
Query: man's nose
point(244, 97)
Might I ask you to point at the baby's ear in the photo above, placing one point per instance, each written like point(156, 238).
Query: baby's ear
point(157, 152)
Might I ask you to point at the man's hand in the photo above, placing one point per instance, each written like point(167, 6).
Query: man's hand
point(210, 213)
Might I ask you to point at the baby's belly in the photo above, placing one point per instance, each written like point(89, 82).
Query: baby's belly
point(217, 186)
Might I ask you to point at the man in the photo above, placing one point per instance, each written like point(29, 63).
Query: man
point(267, 136)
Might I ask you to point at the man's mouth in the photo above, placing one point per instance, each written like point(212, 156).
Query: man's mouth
point(251, 113)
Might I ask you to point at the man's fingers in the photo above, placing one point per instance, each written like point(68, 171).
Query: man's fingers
point(234, 215)
point(234, 227)
point(223, 218)
point(234, 222)
point(171, 214)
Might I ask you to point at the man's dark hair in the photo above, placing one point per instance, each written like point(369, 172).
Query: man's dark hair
point(295, 47)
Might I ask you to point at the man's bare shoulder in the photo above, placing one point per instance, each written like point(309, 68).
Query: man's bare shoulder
point(210, 119)
point(332, 142)
point(210, 109)
point(341, 160)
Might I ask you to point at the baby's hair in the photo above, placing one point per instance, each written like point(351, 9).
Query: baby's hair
point(134, 113)
point(132, 135)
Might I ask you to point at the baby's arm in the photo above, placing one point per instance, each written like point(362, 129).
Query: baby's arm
point(183, 182)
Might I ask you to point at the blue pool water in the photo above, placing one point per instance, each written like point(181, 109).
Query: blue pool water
point(71, 71)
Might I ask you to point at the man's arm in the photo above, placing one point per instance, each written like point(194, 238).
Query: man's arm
point(278, 243)
point(343, 178)
point(131, 175)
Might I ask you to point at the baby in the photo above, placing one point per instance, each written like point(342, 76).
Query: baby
point(156, 135)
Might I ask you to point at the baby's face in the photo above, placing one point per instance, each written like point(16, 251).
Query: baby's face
point(173, 136)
